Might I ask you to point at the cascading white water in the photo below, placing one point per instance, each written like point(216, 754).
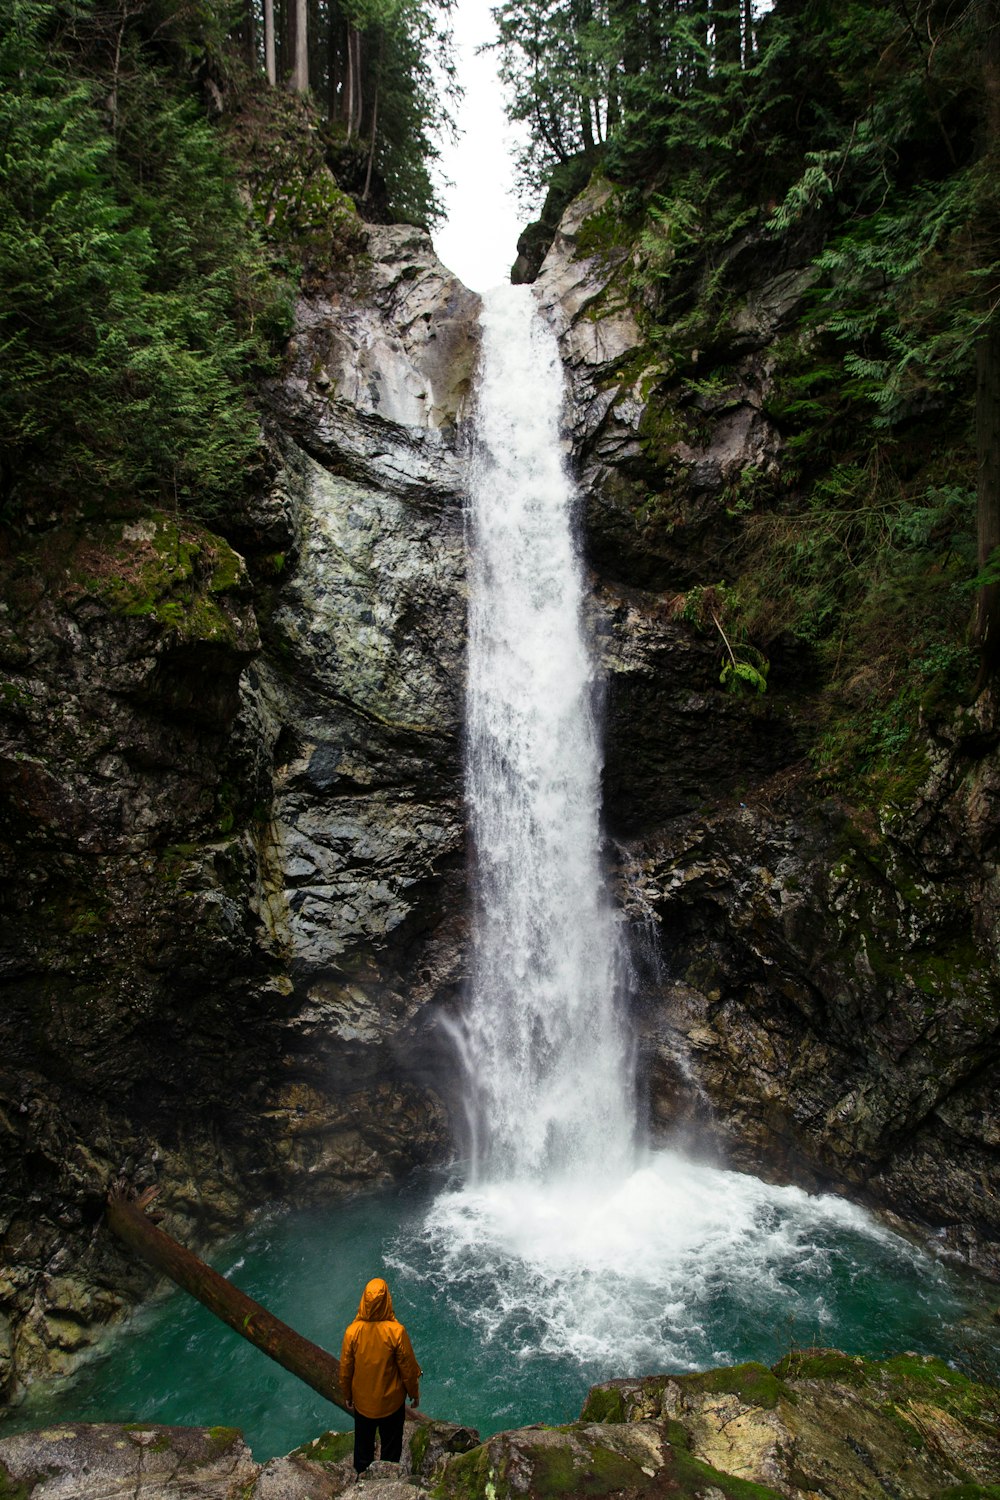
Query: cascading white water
point(544, 1048)
point(568, 1247)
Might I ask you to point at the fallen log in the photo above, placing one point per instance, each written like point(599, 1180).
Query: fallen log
point(127, 1219)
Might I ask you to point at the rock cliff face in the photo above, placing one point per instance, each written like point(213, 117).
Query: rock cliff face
point(822, 1004)
point(232, 836)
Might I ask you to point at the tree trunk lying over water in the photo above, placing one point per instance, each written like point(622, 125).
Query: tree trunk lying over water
point(127, 1219)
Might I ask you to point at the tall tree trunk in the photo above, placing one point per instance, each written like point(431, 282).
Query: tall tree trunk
point(246, 34)
point(286, 38)
point(315, 49)
point(300, 69)
point(374, 127)
point(613, 112)
point(586, 125)
point(286, 68)
point(334, 61)
point(270, 62)
point(358, 92)
point(349, 88)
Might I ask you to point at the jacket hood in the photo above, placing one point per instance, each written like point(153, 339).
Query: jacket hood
point(376, 1302)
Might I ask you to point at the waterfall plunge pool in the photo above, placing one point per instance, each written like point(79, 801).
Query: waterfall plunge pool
point(520, 1296)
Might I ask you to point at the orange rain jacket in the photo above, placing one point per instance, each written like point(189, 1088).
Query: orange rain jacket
point(378, 1368)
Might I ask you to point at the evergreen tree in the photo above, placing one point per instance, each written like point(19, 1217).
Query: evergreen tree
point(127, 285)
point(382, 72)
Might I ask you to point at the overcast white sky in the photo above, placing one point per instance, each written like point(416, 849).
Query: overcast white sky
point(479, 239)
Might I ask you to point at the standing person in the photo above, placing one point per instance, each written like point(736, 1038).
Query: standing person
point(378, 1370)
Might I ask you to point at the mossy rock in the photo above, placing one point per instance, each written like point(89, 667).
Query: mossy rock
point(329, 1448)
point(819, 1421)
point(970, 1492)
point(419, 1443)
point(588, 1460)
point(177, 574)
point(604, 1404)
point(754, 1384)
point(222, 1438)
point(611, 229)
point(823, 1364)
point(16, 1489)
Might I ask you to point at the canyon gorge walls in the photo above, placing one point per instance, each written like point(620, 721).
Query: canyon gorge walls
point(233, 865)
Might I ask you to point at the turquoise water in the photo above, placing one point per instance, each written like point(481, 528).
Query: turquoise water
point(518, 1298)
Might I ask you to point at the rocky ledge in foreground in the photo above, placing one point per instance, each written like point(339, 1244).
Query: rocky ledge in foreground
point(817, 1424)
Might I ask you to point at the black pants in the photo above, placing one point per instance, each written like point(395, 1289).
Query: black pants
point(389, 1428)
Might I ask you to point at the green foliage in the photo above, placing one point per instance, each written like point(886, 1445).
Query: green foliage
point(416, 85)
point(133, 311)
point(716, 607)
point(702, 604)
point(875, 574)
point(555, 57)
point(740, 677)
point(903, 172)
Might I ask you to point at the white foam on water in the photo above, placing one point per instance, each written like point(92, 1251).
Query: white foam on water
point(632, 1277)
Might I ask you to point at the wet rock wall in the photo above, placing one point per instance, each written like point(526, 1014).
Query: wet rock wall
point(231, 856)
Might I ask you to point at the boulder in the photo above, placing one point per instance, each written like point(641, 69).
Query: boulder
point(819, 1422)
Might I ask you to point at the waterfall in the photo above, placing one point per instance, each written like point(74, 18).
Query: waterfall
point(547, 1069)
point(567, 1252)
point(566, 1246)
